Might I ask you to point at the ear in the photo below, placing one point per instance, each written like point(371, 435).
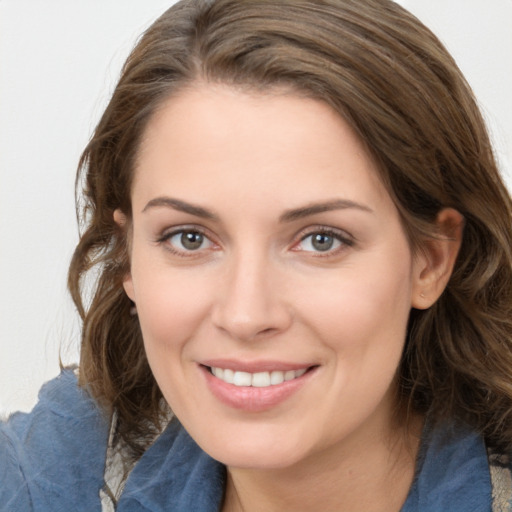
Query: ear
point(121, 220)
point(434, 261)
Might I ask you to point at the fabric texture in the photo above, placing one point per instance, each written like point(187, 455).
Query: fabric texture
point(452, 472)
point(53, 460)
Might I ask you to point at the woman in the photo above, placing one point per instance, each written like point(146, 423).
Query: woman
point(301, 250)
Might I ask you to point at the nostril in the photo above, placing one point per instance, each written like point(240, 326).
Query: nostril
point(268, 330)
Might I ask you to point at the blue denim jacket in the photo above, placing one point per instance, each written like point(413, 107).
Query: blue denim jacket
point(52, 460)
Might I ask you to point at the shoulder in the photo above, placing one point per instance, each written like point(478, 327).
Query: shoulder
point(452, 471)
point(53, 457)
point(183, 476)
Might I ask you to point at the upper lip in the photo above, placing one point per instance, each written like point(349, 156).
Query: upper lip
point(255, 366)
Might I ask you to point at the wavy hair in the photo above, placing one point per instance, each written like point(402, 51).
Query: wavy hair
point(396, 85)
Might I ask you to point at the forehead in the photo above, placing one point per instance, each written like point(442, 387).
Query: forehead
point(214, 138)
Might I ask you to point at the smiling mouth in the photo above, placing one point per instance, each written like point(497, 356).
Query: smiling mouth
point(258, 379)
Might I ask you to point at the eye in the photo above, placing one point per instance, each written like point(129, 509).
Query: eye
point(186, 241)
point(323, 241)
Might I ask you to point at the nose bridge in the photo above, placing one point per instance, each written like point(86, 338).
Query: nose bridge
point(250, 303)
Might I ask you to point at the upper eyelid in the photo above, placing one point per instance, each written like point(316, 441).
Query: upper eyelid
point(345, 240)
point(171, 231)
point(167, 234)
point(311, 230)
point(298, 237)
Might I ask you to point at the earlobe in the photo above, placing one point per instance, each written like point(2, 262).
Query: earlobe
point(433, 265)
point(121, 220)
point(128, 286)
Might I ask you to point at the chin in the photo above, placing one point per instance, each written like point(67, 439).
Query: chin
point(256, 460)
point(254, 452)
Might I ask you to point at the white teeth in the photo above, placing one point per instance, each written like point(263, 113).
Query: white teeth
point(261, 379)
point(276, 378)
point(289, 375)
point(229, 376)
point(257, 380)
point(242, 379)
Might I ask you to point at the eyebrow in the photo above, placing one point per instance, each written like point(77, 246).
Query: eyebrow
point(182, 206)
point(287, 216)
point(312, 209)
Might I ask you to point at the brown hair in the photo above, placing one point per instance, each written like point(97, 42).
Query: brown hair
point(396, 85)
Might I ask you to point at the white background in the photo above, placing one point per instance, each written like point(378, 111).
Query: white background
point(59, 61)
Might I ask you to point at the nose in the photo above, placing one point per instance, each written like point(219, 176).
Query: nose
point(250, 302)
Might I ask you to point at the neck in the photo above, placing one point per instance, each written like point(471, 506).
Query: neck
point(338, 479)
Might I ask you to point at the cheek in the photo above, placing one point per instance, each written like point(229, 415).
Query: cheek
point(170, 306)
point(362, 313)
point(363, 297)
point(171, 315)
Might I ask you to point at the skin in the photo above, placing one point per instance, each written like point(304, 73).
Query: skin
point(257, 289)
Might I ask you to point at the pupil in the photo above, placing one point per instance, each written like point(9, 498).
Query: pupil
point(191, 240)
point(322, 242)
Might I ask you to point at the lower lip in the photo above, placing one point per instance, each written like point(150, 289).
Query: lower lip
point(254, 399)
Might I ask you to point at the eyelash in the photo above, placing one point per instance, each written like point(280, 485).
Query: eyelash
point(166, 237)
point(344, 240)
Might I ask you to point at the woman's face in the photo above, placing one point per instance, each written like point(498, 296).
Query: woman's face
point(272, 276)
